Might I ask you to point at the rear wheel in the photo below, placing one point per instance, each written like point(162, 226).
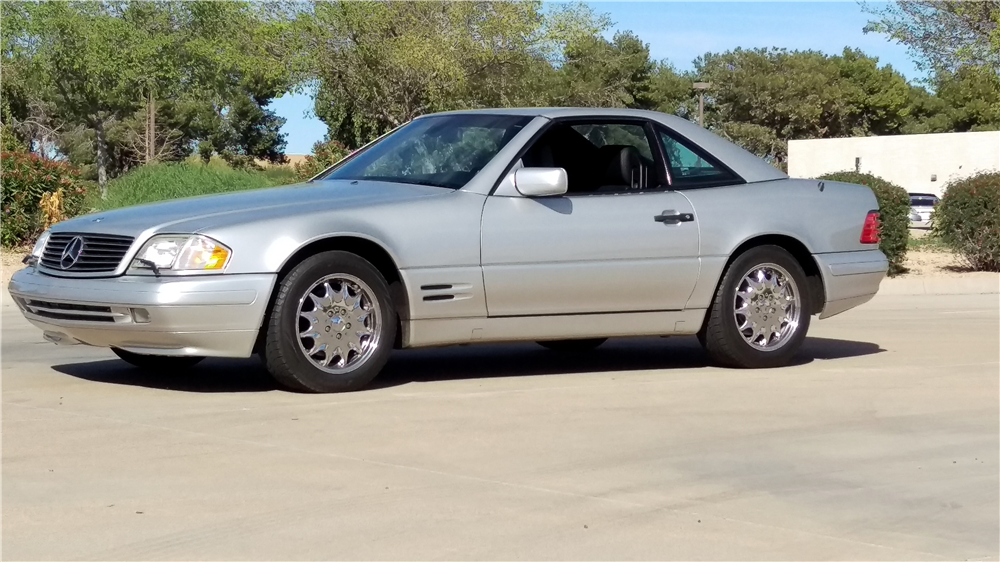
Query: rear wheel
point(158, 363)
point(573, 346)
point(332, 326)
point(759, 316)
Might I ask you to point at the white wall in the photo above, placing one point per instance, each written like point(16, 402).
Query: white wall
point(905, 160)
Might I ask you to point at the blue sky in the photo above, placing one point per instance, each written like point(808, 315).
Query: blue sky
point(682, 31)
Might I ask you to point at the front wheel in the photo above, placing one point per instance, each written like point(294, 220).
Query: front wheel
point(759, 316)
point(157, 363)
point(332, 326)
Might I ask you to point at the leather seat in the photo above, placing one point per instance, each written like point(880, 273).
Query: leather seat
point(621, 168)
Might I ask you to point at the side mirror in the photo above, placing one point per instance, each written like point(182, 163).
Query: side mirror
point(541, 182)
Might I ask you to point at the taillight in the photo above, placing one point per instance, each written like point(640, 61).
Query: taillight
point(870, 232)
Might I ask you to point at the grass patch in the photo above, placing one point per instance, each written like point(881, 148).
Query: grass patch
point(160, 182)
point(929, 242)
point(281, 175)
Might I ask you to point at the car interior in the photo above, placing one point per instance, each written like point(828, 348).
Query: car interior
point(591, 168)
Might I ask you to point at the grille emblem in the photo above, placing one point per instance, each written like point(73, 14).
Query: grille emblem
point(71, 253)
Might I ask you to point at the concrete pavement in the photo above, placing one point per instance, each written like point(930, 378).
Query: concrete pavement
point(881, 443)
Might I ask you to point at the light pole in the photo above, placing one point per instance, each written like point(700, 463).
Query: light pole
point(701, 87)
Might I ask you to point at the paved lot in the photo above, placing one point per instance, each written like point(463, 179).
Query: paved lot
point(881, 444)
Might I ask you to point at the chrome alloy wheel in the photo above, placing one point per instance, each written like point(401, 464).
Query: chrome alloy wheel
point(766, 307)
point(338, 323)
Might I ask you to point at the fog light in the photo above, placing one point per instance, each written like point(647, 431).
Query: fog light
point(140, 315)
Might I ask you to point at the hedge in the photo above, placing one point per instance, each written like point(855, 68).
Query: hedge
point(968, 219)
point(894, 214)
point(28, 179)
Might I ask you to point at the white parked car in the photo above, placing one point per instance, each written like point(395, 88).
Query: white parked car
point(922, 208)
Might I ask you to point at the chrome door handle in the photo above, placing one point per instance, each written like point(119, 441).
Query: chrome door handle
point(673, 217)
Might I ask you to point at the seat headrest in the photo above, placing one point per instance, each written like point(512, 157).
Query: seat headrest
point(619, 162)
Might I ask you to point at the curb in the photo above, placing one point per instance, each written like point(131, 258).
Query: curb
point(978, 284)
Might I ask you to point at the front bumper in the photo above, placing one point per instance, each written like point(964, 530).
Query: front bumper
point(208, 315)
point(850, 278)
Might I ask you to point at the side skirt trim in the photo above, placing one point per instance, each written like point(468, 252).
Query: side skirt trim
point(435, 332)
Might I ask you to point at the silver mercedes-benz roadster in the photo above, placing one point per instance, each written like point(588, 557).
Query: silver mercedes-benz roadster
point(561, 226)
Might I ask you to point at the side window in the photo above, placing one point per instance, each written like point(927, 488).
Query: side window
point(689, 169)
point(598, 157)
point(619, 135)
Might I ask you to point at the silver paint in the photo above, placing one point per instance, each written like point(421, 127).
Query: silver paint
point(516, 267)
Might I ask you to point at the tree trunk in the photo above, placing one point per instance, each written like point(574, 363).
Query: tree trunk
point(145, 141)
point(150, 128)
point(102, 157)
point(152, 125)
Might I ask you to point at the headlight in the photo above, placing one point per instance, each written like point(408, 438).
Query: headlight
point(36, 252)
point(181, 253)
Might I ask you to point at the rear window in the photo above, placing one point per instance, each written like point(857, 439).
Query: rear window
point(923, 200)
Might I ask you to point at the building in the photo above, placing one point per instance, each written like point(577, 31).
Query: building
point(918, 163)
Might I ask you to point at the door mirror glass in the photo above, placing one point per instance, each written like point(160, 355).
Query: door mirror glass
point(540, 182)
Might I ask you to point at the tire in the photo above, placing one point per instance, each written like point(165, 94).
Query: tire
point(573, 346)
point(345, 288)
point(721, 335)
point(156, 363)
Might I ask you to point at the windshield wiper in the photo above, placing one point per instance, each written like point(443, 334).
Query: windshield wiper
point(150, 264)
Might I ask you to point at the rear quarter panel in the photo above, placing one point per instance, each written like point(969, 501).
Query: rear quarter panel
point(826, 217)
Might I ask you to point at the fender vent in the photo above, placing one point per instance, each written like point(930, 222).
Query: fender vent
point(440, 292)
point(434, 287)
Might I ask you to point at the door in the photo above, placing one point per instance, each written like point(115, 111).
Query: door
point(618, 241)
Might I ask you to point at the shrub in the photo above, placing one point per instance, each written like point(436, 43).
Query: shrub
point(325, 154)
point(28, 178)
point(894, 215)
point(968, 219)
point(8, 141)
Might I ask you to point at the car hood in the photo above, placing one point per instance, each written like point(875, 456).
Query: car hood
point(194, 214)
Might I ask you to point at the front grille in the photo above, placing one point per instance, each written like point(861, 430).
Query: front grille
point(99, 253)
point(66, 311)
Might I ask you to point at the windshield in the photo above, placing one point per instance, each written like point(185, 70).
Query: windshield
point(443, 151)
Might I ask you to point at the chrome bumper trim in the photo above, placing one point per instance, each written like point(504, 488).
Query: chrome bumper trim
point(212, 315)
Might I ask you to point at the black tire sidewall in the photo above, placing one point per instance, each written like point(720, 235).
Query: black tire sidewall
point(746, 355)
point(283, 329)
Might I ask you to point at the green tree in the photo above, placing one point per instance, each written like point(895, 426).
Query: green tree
point(249, 131)
point(972, 99)
point(601, 73)
point(761, 98)
point(672, 92)
point(15, 86)
point(92, 57)
point(943, 35)
point(380, 64)
point(133, 82)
